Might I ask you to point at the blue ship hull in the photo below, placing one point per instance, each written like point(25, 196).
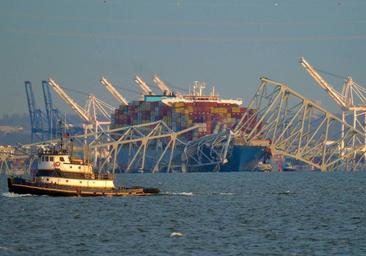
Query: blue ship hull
point(240, 158)
point(245, 158)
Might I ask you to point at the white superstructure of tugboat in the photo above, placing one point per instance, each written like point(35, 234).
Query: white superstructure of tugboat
point(60, 174)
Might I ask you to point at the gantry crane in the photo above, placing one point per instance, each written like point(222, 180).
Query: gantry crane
point(53, 115)
point(340, 99)
point(94, 109)
point(144, 87)
point(109, 86)
point(162, 85)
point(37, 117)
point(346, 100)
point(69, 101)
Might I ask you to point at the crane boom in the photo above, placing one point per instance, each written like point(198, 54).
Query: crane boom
point(144, 87)
point(76, 107)
point(333, 93)
point(109, 86)
point(162, 85)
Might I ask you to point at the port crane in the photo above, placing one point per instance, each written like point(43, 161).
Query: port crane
point(162, 85)
point(352, 99)
point(109, 86)
point(69, 101)
point(143, 85)
point(92, 112)
point(94, 108)
point(36, 115)
point(53, 115)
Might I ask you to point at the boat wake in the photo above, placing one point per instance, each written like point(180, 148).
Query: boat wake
point(226, 194)
point(13, 195)
point(178, 193)
point(194, 194)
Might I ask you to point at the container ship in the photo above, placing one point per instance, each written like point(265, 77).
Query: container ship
point(209, 113)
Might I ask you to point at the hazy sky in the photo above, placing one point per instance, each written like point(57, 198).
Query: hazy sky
point(227, 43)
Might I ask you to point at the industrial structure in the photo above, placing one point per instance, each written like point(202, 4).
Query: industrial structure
point(96, 113)
point(171, 131)
point(16, 160)
point(55, 120)
point(48, 124)
point(143, 86)
point(37, 117)
point(113, 91)
point(352, 99)
point(162, 85)
point(301, 129)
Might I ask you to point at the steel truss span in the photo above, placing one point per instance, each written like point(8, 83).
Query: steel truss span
point(152, 147)
point(208, 151)
point(301, 129)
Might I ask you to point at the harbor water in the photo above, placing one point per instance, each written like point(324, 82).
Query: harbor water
point(298, 213)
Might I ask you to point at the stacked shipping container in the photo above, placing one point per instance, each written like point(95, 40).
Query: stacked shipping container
point(209, 116)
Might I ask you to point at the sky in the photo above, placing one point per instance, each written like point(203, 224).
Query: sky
point(228, 44)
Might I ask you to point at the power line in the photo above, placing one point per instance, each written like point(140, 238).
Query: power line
point(128, 90)
point(331, 74)
point(76, 91)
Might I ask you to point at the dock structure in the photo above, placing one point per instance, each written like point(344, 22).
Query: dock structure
point(301, 129)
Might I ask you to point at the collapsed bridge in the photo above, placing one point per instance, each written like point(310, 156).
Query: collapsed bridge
point(301, 129)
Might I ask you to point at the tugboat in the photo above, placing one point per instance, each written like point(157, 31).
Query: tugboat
point(60, 174)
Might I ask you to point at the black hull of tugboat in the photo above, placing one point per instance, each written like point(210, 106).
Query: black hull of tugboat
point(23, 186)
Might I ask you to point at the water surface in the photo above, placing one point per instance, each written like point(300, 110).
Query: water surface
point(208, 213)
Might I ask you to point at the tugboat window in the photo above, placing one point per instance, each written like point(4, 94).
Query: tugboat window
point(46, 158)
point(51, 158)
point(70, 166)
point(62, 159)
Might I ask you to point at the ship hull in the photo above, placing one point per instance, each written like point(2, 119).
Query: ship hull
point(23, 186)
point(242, 158)
point(245, 158)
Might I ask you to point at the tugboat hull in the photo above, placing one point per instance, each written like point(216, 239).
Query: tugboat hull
point(23, 186)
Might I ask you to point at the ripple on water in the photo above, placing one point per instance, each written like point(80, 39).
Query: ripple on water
point(217, 214)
